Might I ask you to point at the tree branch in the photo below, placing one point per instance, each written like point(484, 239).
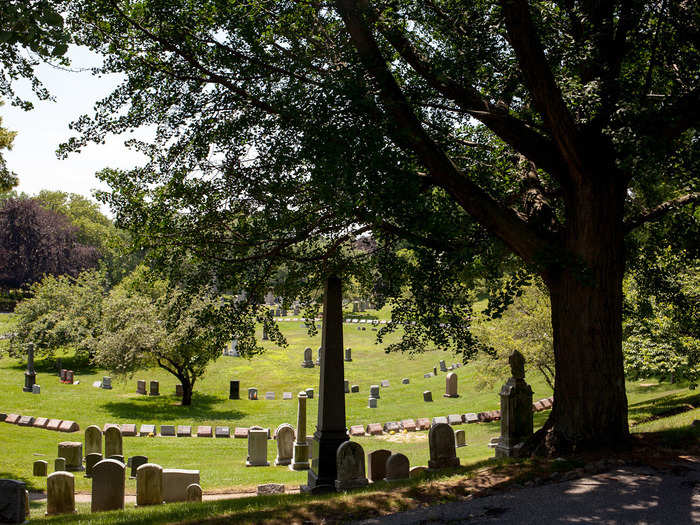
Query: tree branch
point(661, 210)
point(409, 134)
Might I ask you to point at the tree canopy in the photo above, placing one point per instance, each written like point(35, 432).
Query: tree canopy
point(461, 134)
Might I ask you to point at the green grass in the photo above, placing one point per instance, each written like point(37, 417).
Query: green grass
point(222, 462)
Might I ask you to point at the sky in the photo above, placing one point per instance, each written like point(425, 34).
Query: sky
point(40, 131)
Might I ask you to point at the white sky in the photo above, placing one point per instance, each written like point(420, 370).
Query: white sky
point(40, 131)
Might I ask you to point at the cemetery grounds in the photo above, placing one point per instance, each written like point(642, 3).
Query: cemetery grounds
point(222, 461)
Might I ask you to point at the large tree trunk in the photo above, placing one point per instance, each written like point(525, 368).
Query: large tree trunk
point(187, 388)
point(590, 403)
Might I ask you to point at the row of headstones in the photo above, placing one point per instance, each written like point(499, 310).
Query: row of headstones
point(67, 376)
point(271, 396)
point(58, 425)
point(383, 465)
point(154, 486)
point(154, 388)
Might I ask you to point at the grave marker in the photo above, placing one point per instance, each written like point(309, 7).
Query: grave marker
point(285, 444)
point(257, 448)
point(175, 483)
point(108, 479)
point(376, 464)
point(441, 440)
point(60, 493)
point(397, 467)
point(350, 466)
point(149, 485)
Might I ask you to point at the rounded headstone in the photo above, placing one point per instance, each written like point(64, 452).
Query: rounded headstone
point(113, 442)
point(350, 466)
point(136, 462)
point(60, 493)
point(40, 468)
point(285, 444)
point(441, 441)
point(59, 464)
point(93, 440)
point(90, 461)
point(376, 463)
point(397, 467)
point(149, 484)
point(193, 492)
point(108, 485)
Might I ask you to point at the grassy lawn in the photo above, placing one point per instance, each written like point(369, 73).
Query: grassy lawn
point(222, 461)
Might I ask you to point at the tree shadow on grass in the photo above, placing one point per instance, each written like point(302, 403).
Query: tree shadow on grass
point(665, 406)
point(13, 475)
point(161, 408)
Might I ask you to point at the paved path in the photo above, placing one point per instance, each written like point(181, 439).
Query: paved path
point(630, 495)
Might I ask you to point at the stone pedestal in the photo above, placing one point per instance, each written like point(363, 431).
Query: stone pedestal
point(516, 409)
point(331, 431)
point(300, 455)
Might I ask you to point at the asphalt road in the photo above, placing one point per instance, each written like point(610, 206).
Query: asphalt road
point(639, 495)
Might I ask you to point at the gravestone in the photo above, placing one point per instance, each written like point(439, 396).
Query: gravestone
point(309, 393)
point(460, 439)
point(439, 420)
point(392, 426)
point(423, 423)
point(193, 493)
point(26, 421)
point(68, 426)
point(93, 440)
point(454, 419)
point(443, 367)
point(117, 457)
point(128, 429)
point(376, 464)
point(59, 464)
point(372, 402)
point(428, 375)
point(147, 430)
point(154, 388)
point(441, 441)
point(257, 448)
point(234, 388)
point(471, 417)
point(385, 383)
point(417, 472)
point(72, 451)
point(204, 431)
point(374, 391)
point(331, 429)
point(285, 444)
point(40, 468)
point(355, 389)
point(184, 431)
point(350, 465)
point(269, 396)
point(397, 467)
point(39, 422)
point(252, 394)
point(107, 383)
point(427, 396)
point(300, 458)
point(346, 386)
point(53, 424)
point(70, 377)
point(348, 355)
point(60, 493)
point(516, 409)
point(405, 381)
point(374, 429)
point(408, 425)
point(357, 430)
point(36, 389)
point(319, 353)
point(286, 396)
point(451, 385)
point(113, 442)
point(141, 387)
point(13, 505)
point(29, 374)
point(308, 358)
point(222, 432)
point(175, 483)
point(149, 485)
point(108, 479)
point(136, 462)
point(178, 390)
point(435, 370)
point(240, 432)
point(90, 461)
point(62, 374)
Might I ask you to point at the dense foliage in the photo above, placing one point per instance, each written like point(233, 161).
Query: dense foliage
point(35, 241)
point(8, 179)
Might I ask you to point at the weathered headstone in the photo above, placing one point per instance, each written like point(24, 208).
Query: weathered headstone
point(59, 464)
point(350, 464)
point(175, 483)
point(376, 464)
point(348, 354)
point(397, 467)
point(252, 394)
point(408, 425)
point(136, 462)
point(308, 358)
point(270, 396)
point(240, 432)
point(108, 479)
point(53, 424)
point(392, 426)
point(285, 444)
point(13, 505)
point(372, 402)
point(439, 420)
point(72, 451)
point(70, 377)
point(141, 387)
point(357, 430)
point(374, 391)
point(516, 409)
point(427, 396)
point(222, 432)
point(93, 440)
point(309, 393)
point(441, 440)
point(107, 383)
point(147, 429)
point(60, 493)
point(257, 448)
point(91, 460)
point(204, 431)
point(417, 472)
point(26, 421)
point(443, 367)
point(68, 426)
point(113, 442)
point(454, 419)
point(423, 423)
point(286, 396)
point(234, 388)
point(460, 439)
point(36, 389)
point(471, 417)
point(128, 429)
point(451, 385)
point(154, 388)
point(375, 429)
point(193, 493)
point(405, 381)
point(149, 485)
point(40, 468)
point(184, 431)
point(300, 458)
point(354, 389)
point(39, 422)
